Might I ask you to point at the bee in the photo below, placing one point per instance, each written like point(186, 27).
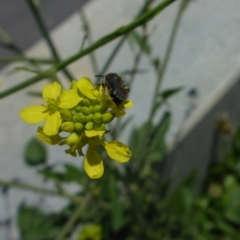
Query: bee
point(114, 84)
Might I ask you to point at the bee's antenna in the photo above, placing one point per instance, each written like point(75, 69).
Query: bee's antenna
point(99, 75)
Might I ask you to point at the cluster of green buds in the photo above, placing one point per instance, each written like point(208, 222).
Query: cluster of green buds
point(82, 113)
point(87, 115)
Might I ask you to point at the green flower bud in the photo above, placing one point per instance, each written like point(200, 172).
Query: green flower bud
point(99, 126)
point(78, 126)
point(67, 126)
point(66, 114)
point(104, 107)
point(86, 102)
point(89, 118)
point(107, 117)
point(75, 118)
point(97, 117)
point(89, 126)
point(78, 108)
point(73, 112)
point(72, 139)
point(96, 108)
point(81, 117)
point(86, 110)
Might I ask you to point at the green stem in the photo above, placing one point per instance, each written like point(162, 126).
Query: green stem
point(108, 38)
point(32, 188)
point(161, 74)
point(8, 43)
point(165, 62)
point(26, 59)
point(122, 40)
point(89, 39)
point(67, 228)
point(44, 31)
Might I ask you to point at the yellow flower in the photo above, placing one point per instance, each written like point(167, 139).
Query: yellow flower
point(82, 113)
point(51, 113)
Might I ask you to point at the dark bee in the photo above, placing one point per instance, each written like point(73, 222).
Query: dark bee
point(115, 85)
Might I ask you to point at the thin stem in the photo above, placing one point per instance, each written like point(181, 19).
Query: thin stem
point(161, 73)
point(32, 188)
point(8, 43)
point(26, 59)
point(87, 30)
point(44, 31)
point(122, 40)
point(83, 42)
point(67, 228)
point(106, 39)
point(166, 59)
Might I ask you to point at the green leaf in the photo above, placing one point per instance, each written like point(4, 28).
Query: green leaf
point(231, 204)
point(34, 224)
point(169, 92)
point(142, 43)
point(156, 141)
point(35, 153)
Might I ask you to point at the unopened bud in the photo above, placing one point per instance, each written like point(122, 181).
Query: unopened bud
point(96, 108)
point(107, 117)
point(95, 92)
point(73, 112)
point(89, 118)
point(66, 114)
point(78, 108)
point(72, 139)
point(78, 126)
point(104, 107)
point(86, 102)
point(81, 117)
point(67, 126)
point(97, 117)
point(89, 126)
point(99, 126)
point(86, 110)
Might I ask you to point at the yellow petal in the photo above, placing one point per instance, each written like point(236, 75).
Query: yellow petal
point(86, 87)
point(52, 140)
point(94, 133)
point(93, 164)
point(70, 99)
point(127, 104)
point(52, 124)
point(51, 91)
point(118, 151)
point(33, 114)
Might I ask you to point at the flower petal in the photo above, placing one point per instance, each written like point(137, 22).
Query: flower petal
point(52, 140)
point(51, 91)
point(33, 114)
point(52, 124)
point(94, 133)
point(118, 151)
point(127, 104)
point(93, 164)
point(69, 99)
point(86, 87)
